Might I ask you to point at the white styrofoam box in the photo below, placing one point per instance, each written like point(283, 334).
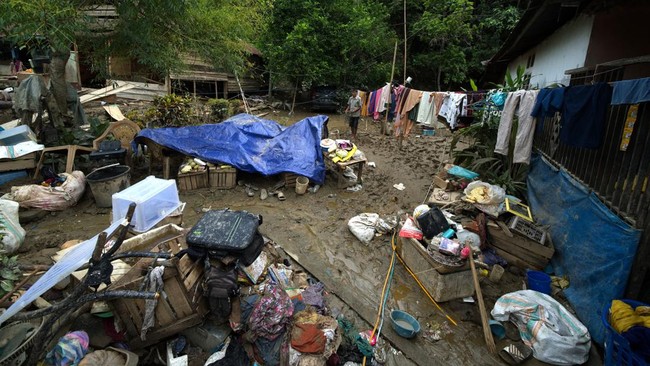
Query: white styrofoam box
point(155, 199)
point(16, 135)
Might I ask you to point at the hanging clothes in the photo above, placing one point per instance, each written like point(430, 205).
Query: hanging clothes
point(411, 101)
point(371, 103)
point(549, 101)
point(520, 103)
point(451, 107)
point(378, 98)
point(439, 97)
point(583, 115)
point(631, 91)
point(402, 100)
point(385, 97)
point(364, 103)
point(427, 109)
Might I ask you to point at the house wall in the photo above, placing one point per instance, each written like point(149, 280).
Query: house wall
point(563, 50)
point(618, 33)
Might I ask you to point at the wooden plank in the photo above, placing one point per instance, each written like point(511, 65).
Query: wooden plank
point(511, 259)
point(193, 277)
point(521, 254)
point(124, 315)
point(157, 335)
point(178, 298)
point(109, 90)
point(114, 111)
point(521, 242)
point(17, 164)
point(164, 313)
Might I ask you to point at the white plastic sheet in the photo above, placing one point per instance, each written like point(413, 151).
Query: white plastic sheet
point(70, 262)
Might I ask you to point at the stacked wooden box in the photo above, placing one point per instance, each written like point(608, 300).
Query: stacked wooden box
point(444, 283)
point(181, 304)
point(193, 180)
point(223, 178)
point(520, 250)
point(289, 179)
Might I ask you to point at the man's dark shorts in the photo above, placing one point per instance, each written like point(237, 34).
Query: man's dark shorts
point(354, 122)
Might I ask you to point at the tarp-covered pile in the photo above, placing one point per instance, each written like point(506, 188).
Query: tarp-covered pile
point(251, 144)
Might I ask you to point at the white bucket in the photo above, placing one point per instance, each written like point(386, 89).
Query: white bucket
point(301, 185)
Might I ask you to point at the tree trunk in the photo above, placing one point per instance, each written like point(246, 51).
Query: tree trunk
point(59, 88)
point(438, 77)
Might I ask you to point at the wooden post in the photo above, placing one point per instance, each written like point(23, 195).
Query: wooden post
point(384, 126)
point(293, 104)
point(243, 97)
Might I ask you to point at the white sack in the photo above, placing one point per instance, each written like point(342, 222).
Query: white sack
point(363, 226)
point(555, 335)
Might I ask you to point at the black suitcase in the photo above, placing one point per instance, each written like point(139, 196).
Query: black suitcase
point(432, 222)
point(224, 233)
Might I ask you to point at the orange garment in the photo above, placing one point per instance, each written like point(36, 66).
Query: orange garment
point(411, 101)
point(308, 338)
point(439, 97)
point(364, 103)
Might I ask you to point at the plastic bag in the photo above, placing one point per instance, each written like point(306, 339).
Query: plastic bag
point(363, 226)
point(13, 235)
point(51, 198)
point(555, 335)
point(462, 172)
point(409, 230)
point(484, 193)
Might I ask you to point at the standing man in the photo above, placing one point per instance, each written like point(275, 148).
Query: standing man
point(354, 112)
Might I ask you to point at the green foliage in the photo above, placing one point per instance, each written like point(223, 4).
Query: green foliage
point(221, 109)
point(480, 157)
point(330, 42)
point(9, 273)
point(155, 33)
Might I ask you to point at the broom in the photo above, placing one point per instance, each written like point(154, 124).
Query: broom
point(487, 333)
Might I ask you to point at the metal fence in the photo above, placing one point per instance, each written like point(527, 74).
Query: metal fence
point(619, 178)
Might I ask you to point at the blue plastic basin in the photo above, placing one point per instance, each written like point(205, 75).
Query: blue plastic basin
point(404, 324)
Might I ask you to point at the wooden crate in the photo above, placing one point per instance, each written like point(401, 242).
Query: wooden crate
point(193, 180)
point(455, 284)
point(520, 250)
point(181, 304)
point(289, 179)
point(223, 178)
point(21, 163)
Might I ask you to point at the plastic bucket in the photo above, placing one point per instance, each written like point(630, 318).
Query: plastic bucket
point(539, 281)
point(498, 330)
point(106, 181)
point(301, 185)
point(404, 324)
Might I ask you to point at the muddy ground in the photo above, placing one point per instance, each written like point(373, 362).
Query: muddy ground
point(313, 229)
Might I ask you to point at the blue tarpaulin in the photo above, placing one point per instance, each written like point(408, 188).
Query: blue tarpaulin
point(593, 246)
point(251, 144)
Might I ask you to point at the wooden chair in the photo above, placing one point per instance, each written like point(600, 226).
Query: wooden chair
point(123, 131)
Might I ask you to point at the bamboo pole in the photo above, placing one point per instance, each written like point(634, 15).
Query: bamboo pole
point(384, 126)
point(404, 42)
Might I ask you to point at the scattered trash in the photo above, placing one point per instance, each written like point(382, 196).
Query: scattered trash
point(355, 188)
point(372, 164)
point(399, 187)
